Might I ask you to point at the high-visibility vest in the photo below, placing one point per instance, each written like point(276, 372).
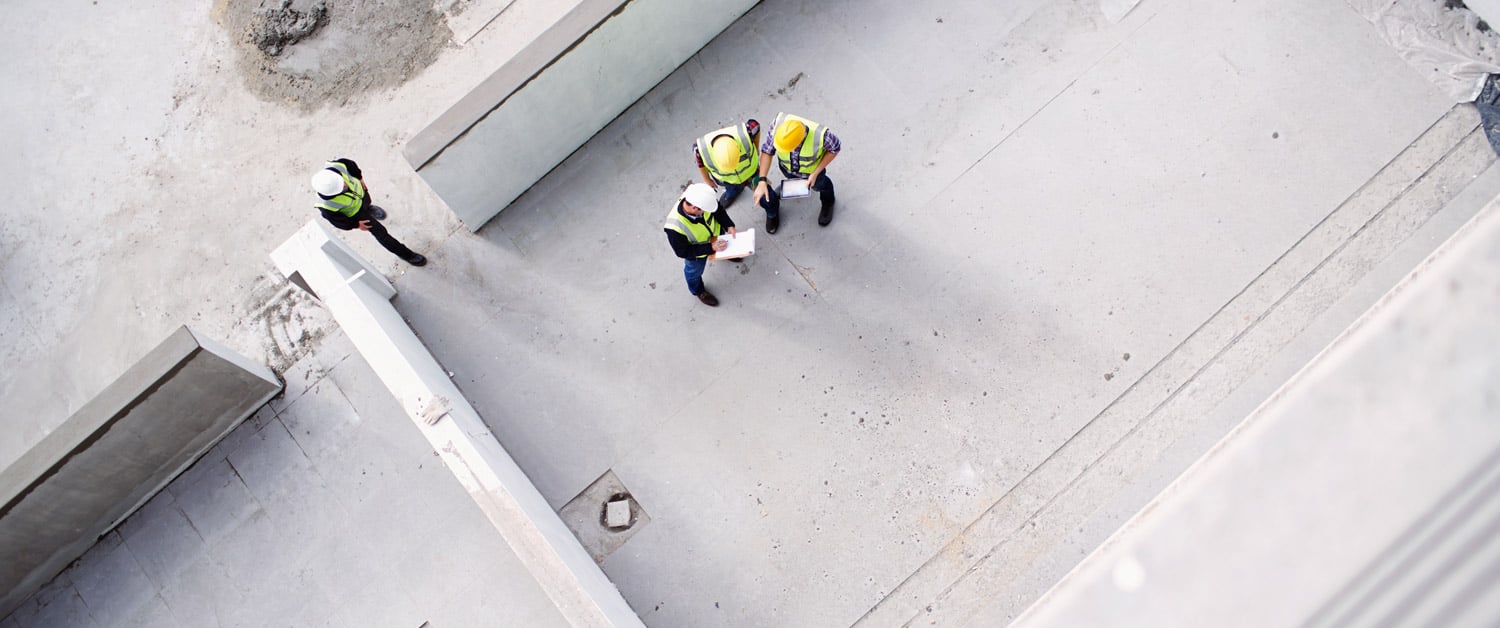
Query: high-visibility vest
point(350, 200)
point(811, 150)
point(733, 174)
point(696, 232)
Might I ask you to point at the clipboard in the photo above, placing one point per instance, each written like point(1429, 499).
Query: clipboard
point(741, 244)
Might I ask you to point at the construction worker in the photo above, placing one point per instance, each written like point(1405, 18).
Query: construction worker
point(728, 159)
point(344, 200)
point(693, 229)
point(803, 149)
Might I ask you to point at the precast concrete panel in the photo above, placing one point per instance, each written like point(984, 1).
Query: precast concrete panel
point(117, 451)
point(539, 108)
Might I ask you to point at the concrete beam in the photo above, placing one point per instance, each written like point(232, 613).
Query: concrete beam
point(118, 451)
point(359, 300)
point(554, 95)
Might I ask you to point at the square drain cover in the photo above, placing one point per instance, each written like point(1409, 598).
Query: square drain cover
point(604, 516)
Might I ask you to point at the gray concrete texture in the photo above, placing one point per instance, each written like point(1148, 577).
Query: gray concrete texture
point(486, 151)
point(118, 451)
point(125, 119)
point(1363, 493)
point(1050, 229)
point(326, 508)
point(923, 413)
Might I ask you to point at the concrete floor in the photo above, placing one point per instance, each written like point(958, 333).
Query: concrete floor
point(1037, 210)
point(1054, 234)
point(326, 508)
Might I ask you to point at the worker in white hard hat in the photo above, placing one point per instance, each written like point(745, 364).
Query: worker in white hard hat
point(693, 229)
point(344, 200)
point(728, 159)
point(802, 149)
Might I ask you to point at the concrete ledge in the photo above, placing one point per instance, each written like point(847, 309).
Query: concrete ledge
point(359, 299)
point(117, 451)
point(554, 95)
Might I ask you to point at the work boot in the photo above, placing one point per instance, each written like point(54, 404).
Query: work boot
point(826, 215)
point(417, 260)
point(379, 214)
point(708, 298)
point(773, 223)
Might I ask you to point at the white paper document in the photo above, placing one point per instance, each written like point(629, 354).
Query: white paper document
point(794, 188)
point(741, 244)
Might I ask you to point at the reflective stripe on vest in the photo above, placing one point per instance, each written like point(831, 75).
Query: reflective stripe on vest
point(349, 201)
point(737, 174)
point(696, 232)
point(811, 150)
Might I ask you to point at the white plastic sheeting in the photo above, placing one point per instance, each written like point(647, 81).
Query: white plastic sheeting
point(1445, 44)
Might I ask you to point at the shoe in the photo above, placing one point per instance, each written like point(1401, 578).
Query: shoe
point(773, 223)
point(377, 212)
point(826, 215)
point(708, 298)
point(417, 260)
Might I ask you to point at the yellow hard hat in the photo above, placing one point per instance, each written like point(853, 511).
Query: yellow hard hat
point(790, 135)
point(726, 151)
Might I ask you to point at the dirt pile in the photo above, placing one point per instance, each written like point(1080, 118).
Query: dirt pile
point(285, 25)
point(308, 53)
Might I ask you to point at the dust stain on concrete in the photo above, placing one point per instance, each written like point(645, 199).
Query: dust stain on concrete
point(278, 316)
point(309, 53)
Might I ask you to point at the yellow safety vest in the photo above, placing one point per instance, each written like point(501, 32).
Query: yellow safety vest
point(733, 174)
point(811, 150)
point(350, 200)
point(696, 232)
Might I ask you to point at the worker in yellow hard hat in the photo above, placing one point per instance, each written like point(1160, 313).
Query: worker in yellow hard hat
point(728, 160)
point(803, 149)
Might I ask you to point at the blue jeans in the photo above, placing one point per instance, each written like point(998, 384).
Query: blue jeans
point(824, 188)
point(692, 270)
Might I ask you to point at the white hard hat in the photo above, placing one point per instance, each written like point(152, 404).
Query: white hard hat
point(701, 196)
point(327, 182)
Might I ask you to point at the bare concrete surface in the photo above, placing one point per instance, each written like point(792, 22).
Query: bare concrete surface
point(1363, 493)
point(1062, 246)
point(327, 509)
point(154, 168)
point(1050, 230)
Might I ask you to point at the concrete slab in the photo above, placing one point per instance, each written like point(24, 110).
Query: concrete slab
point(972, 356)
point(997, 254)
point(1362, 493)
point(118, 451)
point(365, 529)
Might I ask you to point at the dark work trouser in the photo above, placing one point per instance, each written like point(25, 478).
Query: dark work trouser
point(390, 243)
point(824, 188)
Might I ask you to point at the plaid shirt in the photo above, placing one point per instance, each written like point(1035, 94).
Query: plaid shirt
point(768, 146)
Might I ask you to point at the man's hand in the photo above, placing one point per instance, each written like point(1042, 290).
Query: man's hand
point(732, 231)
point(812, 179)
point(364, 225)
point(720, 245)
point(762, 191)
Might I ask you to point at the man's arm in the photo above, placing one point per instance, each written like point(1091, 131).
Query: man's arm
point(352, 167)
point(722, 216)
point(685, 249)
point(763, 187)
point(818, 169)
point(339, 220)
